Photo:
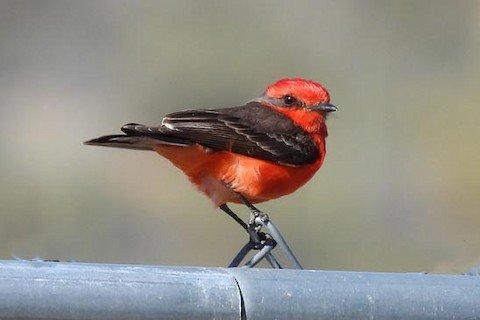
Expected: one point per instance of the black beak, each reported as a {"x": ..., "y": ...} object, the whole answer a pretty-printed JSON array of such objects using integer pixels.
[{"x": 325, "y": 107}]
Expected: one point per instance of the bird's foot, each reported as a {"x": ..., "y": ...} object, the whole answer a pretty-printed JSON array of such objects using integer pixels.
[
  {"x": 260, "y": 239},
  {"x": 258, "y": 218},
  {"x": 264, "y": 242}
]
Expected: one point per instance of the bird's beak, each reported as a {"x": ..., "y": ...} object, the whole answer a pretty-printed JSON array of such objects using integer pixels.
[{"x": 325, "y": 107}]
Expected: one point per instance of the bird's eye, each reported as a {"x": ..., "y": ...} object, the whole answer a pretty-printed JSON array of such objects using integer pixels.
[{"x": 289, "y": 100}]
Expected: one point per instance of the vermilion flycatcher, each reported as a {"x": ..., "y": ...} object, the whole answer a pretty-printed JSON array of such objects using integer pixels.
[{"x": 260, "y": 151}]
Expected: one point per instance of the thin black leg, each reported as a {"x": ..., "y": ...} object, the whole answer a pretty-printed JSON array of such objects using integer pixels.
[
  {"x": 258, "y": 240},
  {"x": 255, "y": 242},
  {"x": 232, "y": 214},
  {"x": 256, "y": 236},
  {"x": 259, "y": 218}
]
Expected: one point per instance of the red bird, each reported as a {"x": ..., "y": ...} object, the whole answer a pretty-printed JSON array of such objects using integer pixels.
[{"x": 260, "y": 151}]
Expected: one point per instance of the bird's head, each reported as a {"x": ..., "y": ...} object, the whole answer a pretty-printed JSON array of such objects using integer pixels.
[{"x": 306, "y": 102}]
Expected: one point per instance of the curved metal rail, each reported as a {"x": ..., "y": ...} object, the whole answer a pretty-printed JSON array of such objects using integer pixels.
[{"x": 56, "y": 290}]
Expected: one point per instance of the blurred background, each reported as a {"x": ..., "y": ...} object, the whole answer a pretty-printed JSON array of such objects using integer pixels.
[{"x": 400, "y": 188}]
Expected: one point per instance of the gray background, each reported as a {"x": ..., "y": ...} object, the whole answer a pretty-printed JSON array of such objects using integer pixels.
[{"x": 399, "y": 190}]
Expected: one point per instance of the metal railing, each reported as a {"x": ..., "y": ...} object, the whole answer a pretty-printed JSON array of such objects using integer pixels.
[{"x": 57, "y": 290}]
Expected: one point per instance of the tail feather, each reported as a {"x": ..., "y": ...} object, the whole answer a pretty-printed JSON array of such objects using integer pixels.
[
  {"x": 138, "y": 137},
  {"x": 123, "y": 141}
]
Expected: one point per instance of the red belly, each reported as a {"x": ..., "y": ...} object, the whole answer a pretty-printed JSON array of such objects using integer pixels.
[{"x": 220, "y": 174}]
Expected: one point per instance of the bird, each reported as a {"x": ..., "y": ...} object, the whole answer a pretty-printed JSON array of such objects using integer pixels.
[{"x": 262, "y": 150}]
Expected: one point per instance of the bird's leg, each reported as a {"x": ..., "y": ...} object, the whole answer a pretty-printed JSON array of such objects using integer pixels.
[
  {"x": 234, "y": 216},
  {"x": 257, "y": 241},
  {"x": 258, "y": 220},
  {"x": 256, "y": 236}
]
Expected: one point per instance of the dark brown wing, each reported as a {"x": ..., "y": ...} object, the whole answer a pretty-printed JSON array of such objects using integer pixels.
[{"x": 251, "y": 130}]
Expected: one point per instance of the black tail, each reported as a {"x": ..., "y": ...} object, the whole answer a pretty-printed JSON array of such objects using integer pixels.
[{"x": 138, "y": 137}]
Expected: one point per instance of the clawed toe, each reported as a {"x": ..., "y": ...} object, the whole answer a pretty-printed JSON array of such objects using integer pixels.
[{"x": 261, "y": 240}]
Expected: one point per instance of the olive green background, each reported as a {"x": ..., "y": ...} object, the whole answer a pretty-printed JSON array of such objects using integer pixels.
[{"x": 400, "y": 188}]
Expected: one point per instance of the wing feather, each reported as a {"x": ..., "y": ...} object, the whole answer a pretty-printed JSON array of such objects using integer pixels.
[
  {"x": 241, "y": 130},
  {"x": 252, "y": 130}
]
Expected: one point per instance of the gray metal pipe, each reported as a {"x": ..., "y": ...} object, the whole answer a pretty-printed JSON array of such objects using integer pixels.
[
  {"x": 304, "y": 294},
  {"x": 50, "y": 290}
]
